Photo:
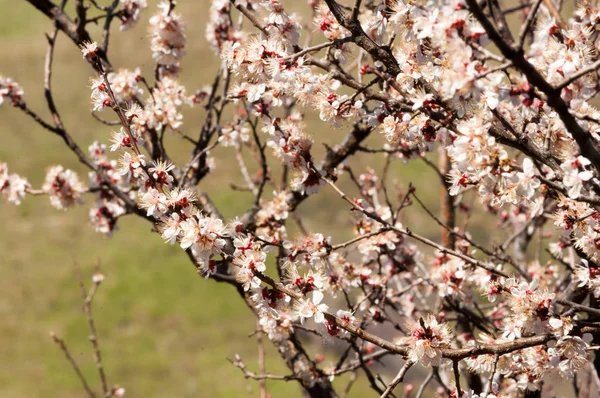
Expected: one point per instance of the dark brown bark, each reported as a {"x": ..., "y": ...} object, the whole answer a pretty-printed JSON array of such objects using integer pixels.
[{"x": 76, "y": 32}]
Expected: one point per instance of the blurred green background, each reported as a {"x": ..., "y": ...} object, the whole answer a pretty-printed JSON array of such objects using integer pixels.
[{"x": 164, "y": 331}]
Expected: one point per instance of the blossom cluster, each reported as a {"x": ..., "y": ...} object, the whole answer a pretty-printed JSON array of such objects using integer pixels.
[
  {"x": 63, "y": 187},
  {"x": 107, "y": 207},
  {"x": 12, "y": 186},
  {"x": 11, "y": 90},
  {"x": 167, "y": 36},
  {"x": 131, "y": 12}
]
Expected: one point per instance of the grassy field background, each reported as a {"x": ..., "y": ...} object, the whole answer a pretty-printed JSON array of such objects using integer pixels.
[{"x": 164, "y": 331}]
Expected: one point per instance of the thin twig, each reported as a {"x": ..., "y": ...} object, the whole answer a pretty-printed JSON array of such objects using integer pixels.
[
  {"x": 359, "y": 238},
  {"x": 579, "y": 307},
  {"x": 61, "y": 344},
  {"x": 424, "y": 384},
  {"x": 528, "y": 23},
  {"x": 582, "y": 72},
  {"x": 398, "y": 379},
  {"x": 457, "y": 378},
  {"x": 261, "y": 359},
  {"x": 491, "y": 379},
  {"x": 87, "y": 308},
  {"x": 237, "y": 362}
]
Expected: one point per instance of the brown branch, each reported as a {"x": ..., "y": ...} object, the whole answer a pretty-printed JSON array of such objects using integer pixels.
[
  {"x": 356, "y": 364},
  {"x": 500, "y": 20},
  {"x": 424, "y": 384},
  {"x": 359, "y": 238},
  {"x": 578, "y": 307},
  {"x": 117, "y": 108},
  {"x": 263, "y": 162},
  {"x": 383, "y": 54},
  {"x": 555, "y": 13},
  {"x": 528, "y": 23},
  {"x": 237, "y": 362},
  {"x": 87, "y": 309},
  {"x": 67, "y": 25},
  {"x": 457, "y": 377},
  {"x": 447, "y": 204},
  {"x": 63, "y": 347},
  {"x": 318, "y": 47},
  {"x": 580, "y": 73},
  {"x": 261, "y": 359},
  {"x": 81, "y": 12},
  {"x": 110, "y": 14},
  {"x": 491, "y": 379},
  {"x": 398, "y": 379},
  {"x": 48, "y": 80},
  {"x": 248, "y": 14}
]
